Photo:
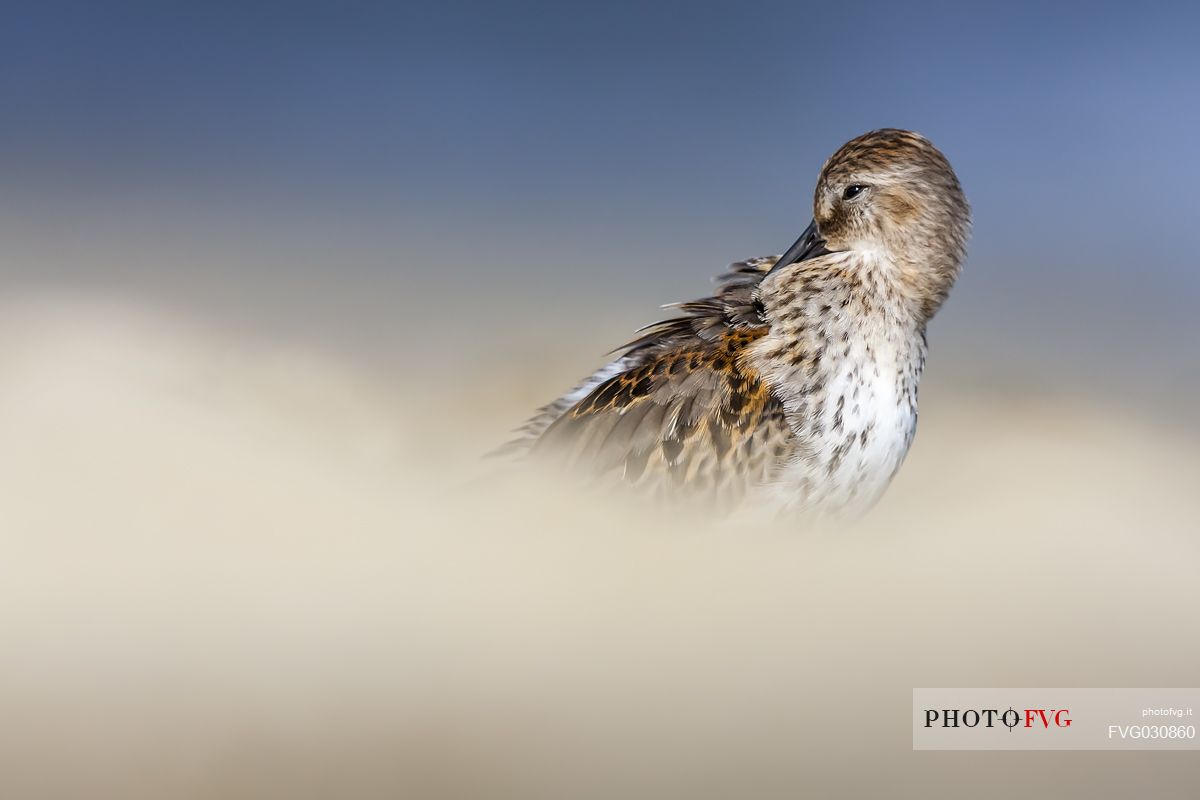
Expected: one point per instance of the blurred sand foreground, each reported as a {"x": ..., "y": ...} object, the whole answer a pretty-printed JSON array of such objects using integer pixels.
[{"x": 234, "y": 569}]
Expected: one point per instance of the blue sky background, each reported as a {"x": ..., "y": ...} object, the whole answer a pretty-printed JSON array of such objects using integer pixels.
[{"x": 309, "y": 164}]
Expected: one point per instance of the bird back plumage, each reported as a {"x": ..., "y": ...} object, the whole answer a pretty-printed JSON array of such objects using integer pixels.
[{"x": 680, "y": 411}]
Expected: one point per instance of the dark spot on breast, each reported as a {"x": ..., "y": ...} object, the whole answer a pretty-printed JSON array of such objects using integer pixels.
[
  {"x": 815, "y": 365},
  {"x": 839, "y": 453}
]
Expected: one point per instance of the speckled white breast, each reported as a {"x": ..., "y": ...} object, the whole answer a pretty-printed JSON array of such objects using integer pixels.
[
  {"x": 853, "y": 443},
  {"x": 845, "y": 359}
]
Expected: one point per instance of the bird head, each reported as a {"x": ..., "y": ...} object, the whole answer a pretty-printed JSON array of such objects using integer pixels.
[{"x": 891, "y": 193}]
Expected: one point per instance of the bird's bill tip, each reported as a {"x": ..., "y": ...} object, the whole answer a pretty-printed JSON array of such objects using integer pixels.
[{"x": 809, "y": 245}]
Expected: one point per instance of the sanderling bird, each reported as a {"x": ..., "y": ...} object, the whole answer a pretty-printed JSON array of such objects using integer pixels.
[{"x": 795, "y": 384}]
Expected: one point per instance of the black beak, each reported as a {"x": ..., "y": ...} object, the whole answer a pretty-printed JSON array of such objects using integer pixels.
[{"x": 809, "y": 245}]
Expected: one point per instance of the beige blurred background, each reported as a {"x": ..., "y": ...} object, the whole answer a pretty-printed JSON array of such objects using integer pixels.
[
  {"x": 274, "y": 280},
  {"x": 237, "y": 567}
]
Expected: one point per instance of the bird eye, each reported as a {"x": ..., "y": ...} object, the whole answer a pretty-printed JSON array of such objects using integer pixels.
[{"x": 853, "y": 190}]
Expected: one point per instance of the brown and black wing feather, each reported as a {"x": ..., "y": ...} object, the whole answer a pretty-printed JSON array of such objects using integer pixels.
[{"x": 681, "y": 411}]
